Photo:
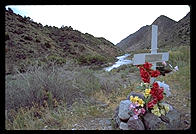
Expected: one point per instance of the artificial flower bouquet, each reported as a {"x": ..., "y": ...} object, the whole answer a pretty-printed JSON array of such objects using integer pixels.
[{"x": 153, "y": 94}]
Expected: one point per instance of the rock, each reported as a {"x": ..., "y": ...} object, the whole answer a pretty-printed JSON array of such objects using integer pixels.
[
  {"x": 123, "y": 126},
  {"x": 174, "y": 119},
  {"x": 135, "y": 124},
  {"x": 170, "y": 122},
  {"x": 109, "y": 128},
  {"x": 116, "y": 118},
  {"x": 140, "y": 95},
  {"x": 153, "y": 122},
  {"x": 108, "y": 122},
  {"x": 124, "y": 110}
]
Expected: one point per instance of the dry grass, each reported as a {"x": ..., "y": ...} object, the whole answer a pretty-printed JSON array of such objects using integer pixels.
[{"x": 91, "y": 94}]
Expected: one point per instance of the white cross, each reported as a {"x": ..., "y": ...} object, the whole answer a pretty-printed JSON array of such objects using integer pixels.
[{"x": 152, "y": 57}]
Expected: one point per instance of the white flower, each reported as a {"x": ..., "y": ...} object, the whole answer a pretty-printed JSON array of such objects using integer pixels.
[{"x": 176, "y": 68}]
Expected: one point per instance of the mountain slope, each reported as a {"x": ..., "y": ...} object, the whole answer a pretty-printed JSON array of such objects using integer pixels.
[
  {"x": 27, "y": 42},
  {"x": 168, "y": 34},
  {"x": 180, "y": 33}
]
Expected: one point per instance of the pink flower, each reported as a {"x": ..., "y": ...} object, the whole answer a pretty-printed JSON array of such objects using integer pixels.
[
  {"x": 132, "y": 106},
  {"x": 143, "y": 110},
  {"x": 137, "y": 111},
  {"x": 164, "y": 63}
]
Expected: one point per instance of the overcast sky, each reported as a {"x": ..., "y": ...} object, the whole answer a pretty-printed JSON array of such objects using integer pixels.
[{"x": 113, "y": 22}]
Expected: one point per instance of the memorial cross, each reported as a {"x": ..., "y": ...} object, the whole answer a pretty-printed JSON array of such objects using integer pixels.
[{"x": 152, "y": 57}]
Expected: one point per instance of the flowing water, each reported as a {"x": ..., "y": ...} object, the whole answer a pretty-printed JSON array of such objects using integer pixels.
[{"x": 121, "y": 61}]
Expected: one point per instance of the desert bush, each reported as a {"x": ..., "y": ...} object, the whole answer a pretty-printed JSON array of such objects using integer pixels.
[
  {"x": 87, "y": 82},
  {"x": 24, "y": 88}
]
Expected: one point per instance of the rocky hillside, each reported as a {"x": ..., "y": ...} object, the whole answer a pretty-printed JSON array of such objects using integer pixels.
[
  {"x": 27, "y": 43},
  {"x": 170, "y": 33}
]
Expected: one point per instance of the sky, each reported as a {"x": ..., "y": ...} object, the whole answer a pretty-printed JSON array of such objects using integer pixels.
[{"x": 113, "y": 22}]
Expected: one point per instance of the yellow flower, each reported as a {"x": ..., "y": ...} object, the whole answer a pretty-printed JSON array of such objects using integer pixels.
[
  {"x": 137, "y": 100},
  {"x": 141, "y": 102},
  {"x": 166, "y": 108},
  {"x": 162, "y": 111},
  {"x": 131, "y": 98},
  {"x": 134, "y": 99},
  {"x": 147, "y": 92},
  {"x": 156, "y": 111}
]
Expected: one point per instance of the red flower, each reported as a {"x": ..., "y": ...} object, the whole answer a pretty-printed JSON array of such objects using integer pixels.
[
  {"x": 154, "y": 73},
  {"x": 147, "y": 65},
  {"x": 152, "y": 103},
  {"x": 145, "y": 75},
  {"x": 155, "y": 85},
  {"x": 160, "y": 94},
  {"x": 157, "y": 92}
]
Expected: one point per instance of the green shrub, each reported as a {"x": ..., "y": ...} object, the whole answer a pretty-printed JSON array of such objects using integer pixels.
[{"x": 91, "y": 59}]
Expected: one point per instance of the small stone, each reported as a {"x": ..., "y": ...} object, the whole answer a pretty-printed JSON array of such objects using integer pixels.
[
  {"x": 135, "y": 124},
  {"x": 123, "y": 126},
  {"x": 108, "y": 122},
  {"x": 124, "y": 110},
  {"x": 109, "y": 127},
  {"x": 186, "y": 122},
  {"x": 115, "y": 118}
]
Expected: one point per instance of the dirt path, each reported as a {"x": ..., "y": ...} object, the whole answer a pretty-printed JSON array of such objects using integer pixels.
[{"x": 94, "y": 124}]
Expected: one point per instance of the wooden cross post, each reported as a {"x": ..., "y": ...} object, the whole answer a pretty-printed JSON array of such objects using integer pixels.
[{"x": 152, "y": 57}]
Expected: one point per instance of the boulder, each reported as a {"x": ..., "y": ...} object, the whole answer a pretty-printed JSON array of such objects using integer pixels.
[
  {"x": 169, "y": 122},
  {"x": 135, "y": 124},
  {"x": 174, "y": 119},
  {"x": 153, "y": 122},
  {"x": 124, "y": 110}
]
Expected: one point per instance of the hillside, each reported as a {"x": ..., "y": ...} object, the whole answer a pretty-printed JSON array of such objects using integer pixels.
[
  {"x": 170, "y": 33},
  {"x": 28, "y": 43}
]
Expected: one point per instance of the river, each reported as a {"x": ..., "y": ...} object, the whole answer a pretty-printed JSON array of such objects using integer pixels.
[{"x": 121, "y": 61}]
